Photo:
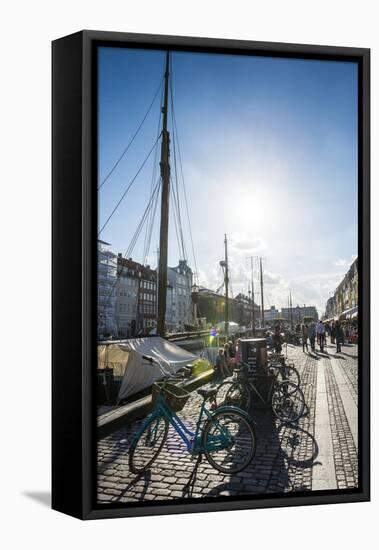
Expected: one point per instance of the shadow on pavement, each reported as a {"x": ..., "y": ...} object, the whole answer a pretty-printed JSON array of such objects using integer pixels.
[
  {"x": 146, "y": 477},
  {"x": 267, "y": 472},
  {"x": 290, "y": 443}
]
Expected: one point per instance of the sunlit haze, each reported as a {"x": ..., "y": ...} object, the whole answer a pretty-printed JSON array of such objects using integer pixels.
[{"x": 269, "y": 153}]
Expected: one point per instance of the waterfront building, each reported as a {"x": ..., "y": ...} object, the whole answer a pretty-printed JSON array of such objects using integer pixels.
[
  {"x": 106, "y": 291},
  {"x": 136, "y": 307},
  {"x": 271, "y": 314},
  {"x": 345, "y": 296},
  {"x": 299, "y": 312},
  {"x": 243, "y": 305},
  {"x": 179, "y": 288}
]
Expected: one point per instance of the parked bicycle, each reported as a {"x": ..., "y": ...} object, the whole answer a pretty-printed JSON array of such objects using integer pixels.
[
  {"x": 286, "y": 371},
  {"x": 284, "y": 397},
  {"x": 225, "y": 436}
]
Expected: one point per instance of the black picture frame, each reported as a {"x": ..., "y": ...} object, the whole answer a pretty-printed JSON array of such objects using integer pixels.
[{"x": 74, "y": 229}]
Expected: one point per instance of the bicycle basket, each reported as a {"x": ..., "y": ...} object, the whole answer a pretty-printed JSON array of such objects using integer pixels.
[{"x": 175, "y": 396}]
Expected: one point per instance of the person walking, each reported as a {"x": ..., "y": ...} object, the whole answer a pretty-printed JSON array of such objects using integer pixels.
[
  {"x": 231, "y": 355},
  {"x": 277, "y": 340},
  {"x": 312, "y": 335},
  {"x": 339, "y": 336},
  {"x": 320, "y": 333},
  {"x": 304, "y": 336},
  {"x": 333, "y": 333}
]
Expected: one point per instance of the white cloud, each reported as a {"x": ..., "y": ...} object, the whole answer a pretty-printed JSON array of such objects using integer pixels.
[{"x": 340, "y": 262}]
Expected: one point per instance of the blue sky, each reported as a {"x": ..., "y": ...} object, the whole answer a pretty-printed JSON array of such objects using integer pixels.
[{"x": 269, "y": 151}]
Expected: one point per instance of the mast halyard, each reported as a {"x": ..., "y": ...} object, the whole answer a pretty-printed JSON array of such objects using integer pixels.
[{"x": 163, "y": 239}]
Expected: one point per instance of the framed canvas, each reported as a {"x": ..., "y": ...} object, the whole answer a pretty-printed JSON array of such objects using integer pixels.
[{"x": 211, "y": 275}]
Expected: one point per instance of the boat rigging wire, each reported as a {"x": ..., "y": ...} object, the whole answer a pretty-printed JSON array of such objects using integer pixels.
[
  {"x": 151, "y": 217},
  {"x": 133, "y": 137},
  {"x": 175, "y": 132},
  {"x": 129, "y": 186},
  {"x": 134, "y": 239},
  {"x": 178, "y": 223}
]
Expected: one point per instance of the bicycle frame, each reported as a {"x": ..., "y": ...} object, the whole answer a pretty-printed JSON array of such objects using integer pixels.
[{"x": 191, "y": 439}]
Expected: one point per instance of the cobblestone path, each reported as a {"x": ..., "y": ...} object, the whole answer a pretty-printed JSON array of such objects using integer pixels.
[{"x": 286, "y": 457}]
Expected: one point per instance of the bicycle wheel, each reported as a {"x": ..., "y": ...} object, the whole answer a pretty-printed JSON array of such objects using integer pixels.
[
  {"x": 290, "y": 373},
  {"x": 233, "y": 393},
  {"x": 147, "y": 447},
  {"x": 288, "y": 402},
  {"x": 229, "y": 441}
]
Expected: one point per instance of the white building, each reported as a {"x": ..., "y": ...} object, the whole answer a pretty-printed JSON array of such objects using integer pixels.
[
  {"x": 136, "y": 307},
  {"x": 179, "y": 301},
  {"x": 271, "y": 314},
  {"x": 106, "y": 290}
]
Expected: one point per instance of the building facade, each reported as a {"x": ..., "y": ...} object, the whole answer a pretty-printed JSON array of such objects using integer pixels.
[
  {"x": 345, "y": 295},
  {"x": 299, "y": 312},
  {"x": 136, "y": 307},
  {"x": 271, "y": 314},
  {"x": 106, "y": 291},
  {"x": 179, "y": 310},
  {"x": 244, "y": 307}
]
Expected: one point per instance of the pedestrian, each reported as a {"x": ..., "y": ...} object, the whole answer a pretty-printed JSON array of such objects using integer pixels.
[
  {"x": 277, "y": 340},
  {"x": 238, "y": 358},
  {"x": 312, "y": 335},
  {"x": 221, "y": 363},
  {"x": 333, "y": 333},
  {"x": 320, "y": 333},
  {"x": 339, "y": 336},
  {"x": 304, "y": 336},
  {"x": 232, "y": 355}
]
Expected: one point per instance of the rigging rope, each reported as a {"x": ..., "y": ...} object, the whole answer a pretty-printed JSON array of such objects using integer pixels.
[
  {"x": 129, "y": 186},
  {"x": 150, "y": 222},
  {"x": 175, "y": 132},
  {"x": 178, "y": 224},
  {"x": 153, "y": 211},
  {"x": 134, "y": 239},
  {"x": 133, "y": 138}
]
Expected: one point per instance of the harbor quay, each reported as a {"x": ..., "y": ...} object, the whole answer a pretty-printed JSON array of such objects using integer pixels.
[{"x": 317, "y": 452}]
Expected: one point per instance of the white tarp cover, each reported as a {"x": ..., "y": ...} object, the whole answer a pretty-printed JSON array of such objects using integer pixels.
[
  {"x": 233, "y": 327},
  {"x": 127, "y": 360}
]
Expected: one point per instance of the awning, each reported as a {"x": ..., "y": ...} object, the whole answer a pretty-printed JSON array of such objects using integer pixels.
[{"x": 348, "y": 314}]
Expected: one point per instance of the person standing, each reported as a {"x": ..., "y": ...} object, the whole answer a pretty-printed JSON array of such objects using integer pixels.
[
  {"x": 232, "y": 355},
  {"x": 277, "y": 340},
  {"x": 221, "y": 363},
  {"x": 320, "y": 333},
  {"x": 339, "y": 336},
  {"x": 304, "y": 336},
  {"x": 312, "y": 335}
]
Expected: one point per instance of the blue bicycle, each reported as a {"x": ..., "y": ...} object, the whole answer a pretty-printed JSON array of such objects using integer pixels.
[{"x": 225, "y": 436}]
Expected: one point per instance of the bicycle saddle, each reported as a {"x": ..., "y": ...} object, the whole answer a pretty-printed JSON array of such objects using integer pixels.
[{"x": 206, "y": 394}]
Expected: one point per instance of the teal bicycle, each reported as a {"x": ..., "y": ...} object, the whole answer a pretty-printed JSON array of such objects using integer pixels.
[{"x": 225, "y": 436}]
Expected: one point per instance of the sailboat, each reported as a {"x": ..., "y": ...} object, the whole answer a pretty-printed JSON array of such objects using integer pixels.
[{"x": 138, "y": 362}]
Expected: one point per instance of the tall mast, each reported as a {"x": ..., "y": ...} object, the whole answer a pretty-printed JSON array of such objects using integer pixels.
[
  {"x": 226, "y": 290},
  {"x": 291, "y": 310},
  {"x": 251, "y": 258},
  {"x": 262, "y": 301},
  {"x": 163, "y": 238}
]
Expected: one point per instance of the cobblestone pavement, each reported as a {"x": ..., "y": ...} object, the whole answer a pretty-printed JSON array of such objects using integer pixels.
[{"x": 286, "y": 455}]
